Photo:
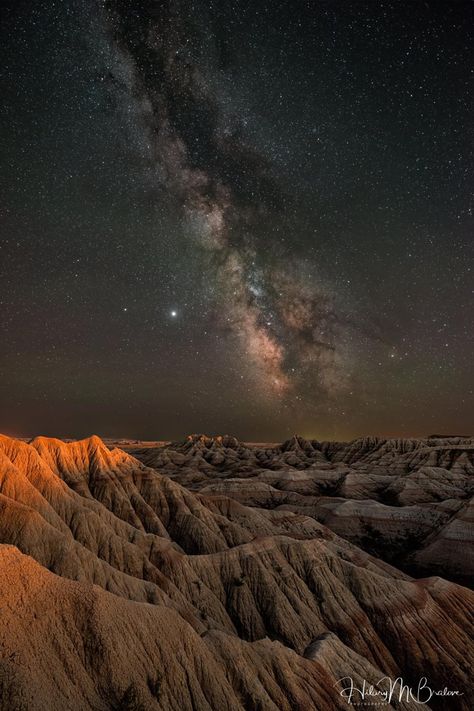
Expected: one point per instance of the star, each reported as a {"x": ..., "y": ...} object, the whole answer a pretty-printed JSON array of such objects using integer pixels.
[{"x": 203, "y": 187}]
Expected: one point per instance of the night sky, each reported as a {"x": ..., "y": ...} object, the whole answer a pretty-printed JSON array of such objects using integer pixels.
[{"x": 251, "y": 217}]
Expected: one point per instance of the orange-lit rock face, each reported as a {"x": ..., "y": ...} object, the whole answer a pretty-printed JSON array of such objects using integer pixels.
[{"x": 193, "y": 588}]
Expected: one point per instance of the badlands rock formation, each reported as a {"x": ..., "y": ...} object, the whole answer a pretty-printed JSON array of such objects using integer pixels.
[
  {"x": 211, "y": 575},
  {"x": 408, "y": 501}
]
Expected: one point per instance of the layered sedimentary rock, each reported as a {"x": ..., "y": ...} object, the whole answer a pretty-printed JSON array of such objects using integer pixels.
[
  {"x": 406, "y": 500},
  {"x": 123, "y": 589}
]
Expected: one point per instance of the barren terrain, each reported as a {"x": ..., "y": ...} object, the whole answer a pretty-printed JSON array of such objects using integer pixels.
[{"x": 212, "y": 574}]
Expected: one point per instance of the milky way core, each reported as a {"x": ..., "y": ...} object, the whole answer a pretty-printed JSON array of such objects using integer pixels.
[{"x": 251, "y": 217}]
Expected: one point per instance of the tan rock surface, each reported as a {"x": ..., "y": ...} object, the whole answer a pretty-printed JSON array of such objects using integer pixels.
[
  {"x": 121, "y": 589},
  {"x": 393, "y": 497}
]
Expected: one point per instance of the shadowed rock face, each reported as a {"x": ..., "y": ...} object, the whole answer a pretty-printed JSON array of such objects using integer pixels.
[
  {"x": 408, "y": 501},
  {"x": 124, "y": 589}
]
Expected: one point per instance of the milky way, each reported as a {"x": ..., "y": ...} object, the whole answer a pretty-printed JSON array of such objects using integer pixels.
[
  {"x": 287, "y": 324},
  {"x": 242, "y": 217}
]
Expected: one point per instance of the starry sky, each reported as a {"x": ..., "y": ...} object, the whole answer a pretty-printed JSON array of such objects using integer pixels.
[{"x": 251, "y": 217}]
